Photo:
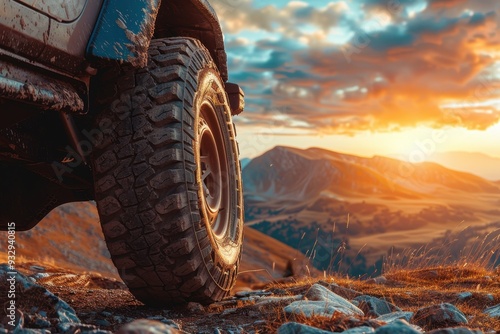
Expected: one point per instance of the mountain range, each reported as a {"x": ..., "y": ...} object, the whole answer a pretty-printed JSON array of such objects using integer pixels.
[
  {"x": 310, "y": 208},
  {"x": 348, "y": 211}
]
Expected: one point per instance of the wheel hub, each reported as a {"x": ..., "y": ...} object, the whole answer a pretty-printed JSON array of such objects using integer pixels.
[{"x": 213, "y": 172}]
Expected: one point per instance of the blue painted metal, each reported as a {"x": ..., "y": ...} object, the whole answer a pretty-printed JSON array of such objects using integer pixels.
[
  {"x": 123, "y": 31},
  {"x": 125, "y": 27}
]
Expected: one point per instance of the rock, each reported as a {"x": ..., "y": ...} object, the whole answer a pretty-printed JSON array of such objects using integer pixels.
[
  {"x": 171, "y": 323},
  {"x": 20, "y": 279},
  {"x": 493, "y": 311},
  {"x": 279, "y": 291},
  {"x": 38, "y": 276},
  {"x": 64, "y": 312},
  {"x": 164, "y": 320},
  {"x": 41, "y": 323},
  {"x": 77, "y": 328},
  {"x": 391, "y": 317},
  {"x": 34, "y": 296},
  {"x": 226, "y": 330},
  {"x": 259, "y": 322},
  {"x": 229, "y": 311},
  {"x": 309, "y": 308},
  {"x": 26, "y": 288},
  {"x": 296, "y": 328},
  {"x": 375, "y": 307},
  {"x": 37, "y": 320},
  {"x": 377, "y": 280},
  {"x": 341, "y": 291},
  {"x": 399, "y": 326},
  {"x": 120, "y": 319},
  {"x": 456, "y": 330},
  {"x": 438, "y": 316},
  {"x": 464, "y": 295},
  {"x": 195, "y": 308},
  {"x": 14, "y": 318},
  {"x": 359, "y": 330},
  {"x": 37, "y": 268},
  {"x": 30, "y": 331},
  {"x": 490, "y": 297},
  {"x": 144, "y": 326},
  {"x": 102, "y": 323},
  {"x": 277, "y": 300},
  {"x": 320, "y": 293},
  {"x": 242, "y": 294}
]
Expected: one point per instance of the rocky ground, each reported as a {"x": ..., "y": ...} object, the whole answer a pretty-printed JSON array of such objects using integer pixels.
[{"x": 434, "y": 300}]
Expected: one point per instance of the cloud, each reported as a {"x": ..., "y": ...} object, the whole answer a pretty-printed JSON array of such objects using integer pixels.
[
  {"x": 423, "y": 63},
  {"x": 288, "y": 20}
]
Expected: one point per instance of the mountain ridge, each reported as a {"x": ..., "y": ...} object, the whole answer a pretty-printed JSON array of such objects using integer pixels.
[
  {"x": 389, "y": 174},
  {"x": 340, "y": 201}
]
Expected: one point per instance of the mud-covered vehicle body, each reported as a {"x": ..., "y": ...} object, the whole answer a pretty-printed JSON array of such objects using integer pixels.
[{"x": 126, "y": 102}]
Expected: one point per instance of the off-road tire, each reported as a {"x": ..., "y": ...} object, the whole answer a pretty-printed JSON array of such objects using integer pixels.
[{"x": 173, "y": 227}]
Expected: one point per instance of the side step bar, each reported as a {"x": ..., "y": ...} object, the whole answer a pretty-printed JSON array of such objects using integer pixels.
[{"x": 25, "y": 85}]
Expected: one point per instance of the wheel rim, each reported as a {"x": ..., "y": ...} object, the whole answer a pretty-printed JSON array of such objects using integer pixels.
[{"x": 213, "y": 171}]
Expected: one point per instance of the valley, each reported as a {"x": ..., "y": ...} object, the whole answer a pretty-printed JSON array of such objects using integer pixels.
[{"x": 347, "y": 213}]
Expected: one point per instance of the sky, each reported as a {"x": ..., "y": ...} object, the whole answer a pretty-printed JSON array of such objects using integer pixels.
[{"x": 366, "y": 77}]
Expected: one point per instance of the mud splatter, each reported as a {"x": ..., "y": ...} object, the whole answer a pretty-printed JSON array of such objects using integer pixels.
[
  {"x": 19, "y": 85},
  {"x": 140, "y": 41}
]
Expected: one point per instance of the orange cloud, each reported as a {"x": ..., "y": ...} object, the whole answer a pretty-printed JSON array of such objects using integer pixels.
[{"x": 440, "y": 67}]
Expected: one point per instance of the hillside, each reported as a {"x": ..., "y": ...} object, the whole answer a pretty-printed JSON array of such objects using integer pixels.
[
  {"x": 71, "y": 238},
  {"x": 349, "y": 211},
  {"x": 265, "y": 259}
]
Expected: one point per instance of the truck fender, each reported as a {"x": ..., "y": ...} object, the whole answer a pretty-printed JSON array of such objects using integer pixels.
[
  {"x": 125, "y": 28},
  {"x": 123, "y": 31}
]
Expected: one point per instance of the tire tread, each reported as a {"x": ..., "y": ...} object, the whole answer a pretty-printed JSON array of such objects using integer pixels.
[{"x": 145, "y": 173}]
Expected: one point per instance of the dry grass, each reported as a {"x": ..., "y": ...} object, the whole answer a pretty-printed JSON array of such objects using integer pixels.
[
  {"x": 337, "y": 323},
  {"x": 478, "y": 252},
  {"x": 418, "y": 278}
]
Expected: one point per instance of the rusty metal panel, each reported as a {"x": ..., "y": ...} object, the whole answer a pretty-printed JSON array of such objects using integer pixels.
[
  {"x": 67, "y": 41},
  {"x": 60, "y": 10},
  {"x": 22, "y": 30},
  {"x": 28, "y": 86}
]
